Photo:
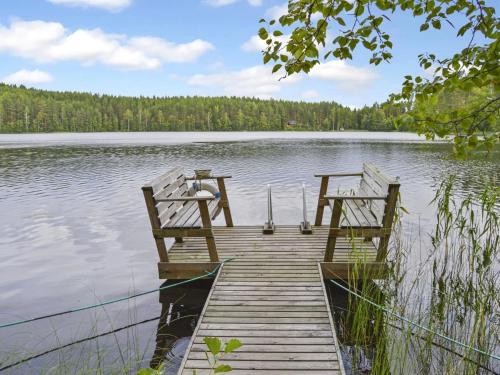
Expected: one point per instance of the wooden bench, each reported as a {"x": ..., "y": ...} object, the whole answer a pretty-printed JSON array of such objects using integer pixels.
[
  {"x": 175, "y": 210},
  {"x": 369, "y": 213}
]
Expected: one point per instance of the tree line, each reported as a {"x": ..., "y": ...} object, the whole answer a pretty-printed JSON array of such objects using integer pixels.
[{"x": 28, "y": 110}]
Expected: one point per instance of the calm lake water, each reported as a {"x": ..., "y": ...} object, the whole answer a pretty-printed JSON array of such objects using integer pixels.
[{"x": 74, "y": 228}]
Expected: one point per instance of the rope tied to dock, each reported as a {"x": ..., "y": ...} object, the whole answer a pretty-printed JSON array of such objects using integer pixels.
[
  {"x": 403, "y": 318},
  {"x": 109, "y": 302}
]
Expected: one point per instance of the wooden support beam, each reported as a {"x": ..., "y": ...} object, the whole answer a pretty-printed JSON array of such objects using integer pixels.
[
  {"x": 387, "y": 221},
  {"x": 181, "y": 232},
  {"x": 334, "y": 223},
  {"x": 353, "y": 271},
  {"x": 224, "y": 201},
  {"x": 155, "y": 222},
  {"x": 359, "y": 232},
  {"x": 207, "y": 226},
  {"x": 321, "y": 201},
  {"x": 185, "y": 270}
]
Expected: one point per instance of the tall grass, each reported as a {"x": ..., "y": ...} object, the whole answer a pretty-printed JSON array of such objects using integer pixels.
[{"x": 452, "y": 291}]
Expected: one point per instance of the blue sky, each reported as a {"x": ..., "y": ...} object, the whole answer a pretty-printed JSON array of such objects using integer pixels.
[{"x": 191, "y": 47}]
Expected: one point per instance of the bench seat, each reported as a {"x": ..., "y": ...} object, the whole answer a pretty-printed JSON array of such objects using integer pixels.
[
  {"x": 176, "y": 211},
  {"x": 358, "y": 214},
  {"x": 368, "y": 214},
  {"x": 188, "y": 215}
]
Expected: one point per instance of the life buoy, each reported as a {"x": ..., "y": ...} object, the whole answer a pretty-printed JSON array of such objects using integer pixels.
[{"x": 198, "y": 187}]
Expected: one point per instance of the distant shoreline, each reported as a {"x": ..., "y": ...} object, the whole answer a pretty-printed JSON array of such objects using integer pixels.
[{"x": 161, "y": 138}]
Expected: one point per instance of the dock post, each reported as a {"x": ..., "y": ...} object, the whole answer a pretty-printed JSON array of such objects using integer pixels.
[
  {"x": 269, "y": 224},
  {"x": 305, "y": 226}
]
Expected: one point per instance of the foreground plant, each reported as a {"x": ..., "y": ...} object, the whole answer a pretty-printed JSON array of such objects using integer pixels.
[{"x": 216, "y": 350}]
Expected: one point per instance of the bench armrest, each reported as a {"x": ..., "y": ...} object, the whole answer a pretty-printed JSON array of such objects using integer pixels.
[
  {"x": 355, "y": 197},
  {"x": 186, "y": 199},
  {"x": 208, "y": 178},
  {"x": 340, "y": 174}
]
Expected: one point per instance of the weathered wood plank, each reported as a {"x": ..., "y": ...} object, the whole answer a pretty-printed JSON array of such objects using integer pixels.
[
  {"x": 266, "y": 320},
  {"x": 267, "y": 365},
  {"x": 168, "y": 270},
  {"x": 276, "y": 356},
  {"x": 252, "y": 333},
  {"x": 325, "y": 342},
  {"x": 276, "y": 348},
  {"x": 265, "y": 372}
]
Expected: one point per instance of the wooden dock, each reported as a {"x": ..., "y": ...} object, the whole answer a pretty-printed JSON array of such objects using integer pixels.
[
  {"x": 270, "y": 296},
  {"x": 269, "y": 290}
]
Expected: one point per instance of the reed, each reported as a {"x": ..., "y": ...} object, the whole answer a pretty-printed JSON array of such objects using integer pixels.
[{"x": 452, "y": 291}]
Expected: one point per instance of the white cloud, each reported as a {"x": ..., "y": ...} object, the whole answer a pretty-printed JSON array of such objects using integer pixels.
[
  {"x": 256, "y": 44},
  {"x": 51, "y": 42},
  {"x": 277, "y": 11},
  {"x": 255, "y": 81},
  {"x": 219, "y": 3},
  {"x": 171, "y": 52},
  {"x": 112, "y": 5},
  {"x": 223, "y": 3},
  {"x": 349, "y": 77},
  {"x": 310, "y": 94},
  {"x": 27, "y": 77}
]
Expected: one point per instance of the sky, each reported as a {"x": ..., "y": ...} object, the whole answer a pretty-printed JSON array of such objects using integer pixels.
[{"x": 188, "y": 47}]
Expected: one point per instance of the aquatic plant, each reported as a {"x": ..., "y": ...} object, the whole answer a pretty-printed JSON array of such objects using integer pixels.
[{"x": 449, "y": 300}]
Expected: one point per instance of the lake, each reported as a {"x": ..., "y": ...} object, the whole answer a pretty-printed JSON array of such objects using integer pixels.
[{"x": 74, "y": 228}]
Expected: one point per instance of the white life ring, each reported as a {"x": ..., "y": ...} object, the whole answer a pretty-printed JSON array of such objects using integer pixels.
[{"x": 198, "y": 188}]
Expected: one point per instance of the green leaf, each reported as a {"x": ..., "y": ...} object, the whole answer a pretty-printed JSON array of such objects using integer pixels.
[
  {"x": 223, "y": 368},
  {"x": 146, "y": 371},
  {"x": 424, "y": 26},
  {"x": 232, "y": 345},
  {"x": 277, "y": 33},
  {"x": 277, "y": 67},
  {"x": 436, "y": 24},
  {"x": 263, "y": 33},
  {"x": 359, "y": 9},
  {"x": 214, "y": 344}
]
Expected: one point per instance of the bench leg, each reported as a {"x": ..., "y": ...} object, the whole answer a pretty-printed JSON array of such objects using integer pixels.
[
  {"x": 225, "y": 202},
  {"x": 207, "y": 224},
  {"x": 382, "y": 249},
  {"x": 212, "y": 249},
  {"x": 162, "y": 249},
  {"x": 334, "y": 223},
  {"x": 321, "y": 204}
]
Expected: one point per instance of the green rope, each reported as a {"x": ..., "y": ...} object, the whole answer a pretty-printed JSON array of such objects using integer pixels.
[
  {"x": 416, "y": 324},
  {"x": 82, "y": 308}
]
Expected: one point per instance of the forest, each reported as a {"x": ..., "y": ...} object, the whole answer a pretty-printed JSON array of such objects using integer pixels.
[{"x": 28, "y": 110}]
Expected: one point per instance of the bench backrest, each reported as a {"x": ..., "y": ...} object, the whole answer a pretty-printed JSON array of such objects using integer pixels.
[
  {"x": 375, "y": 182},
  {"x": 171, "y": 184}
]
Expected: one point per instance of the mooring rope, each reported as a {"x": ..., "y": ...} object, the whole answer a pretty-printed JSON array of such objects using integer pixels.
[
  {"x": 401, "y": 317},
  {"x": 109, "y": 302}
]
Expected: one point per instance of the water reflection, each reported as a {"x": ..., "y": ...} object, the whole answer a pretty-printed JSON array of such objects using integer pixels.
[
  {"x": 360, "y": 327},
  {"x": 180, "y": 309}
]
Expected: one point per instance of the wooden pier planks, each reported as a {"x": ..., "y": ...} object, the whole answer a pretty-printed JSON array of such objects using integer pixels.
[
  {"x": 278, "y": 310},
  {"x": 286, "y": 245}
]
